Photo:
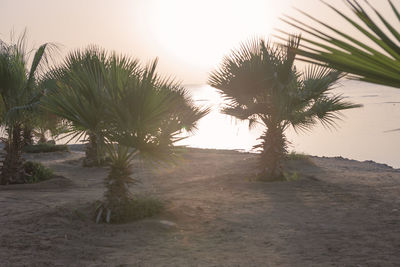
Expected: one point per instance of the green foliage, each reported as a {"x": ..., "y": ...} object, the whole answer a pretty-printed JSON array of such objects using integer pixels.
[
  {"x": 290, "y": 177},
  {"x": 76, "y": 92},
  {"x": 111, "y": 98},
  {"x": 297, "y": 156},
  {"x": 325, "y": 44},
  {"x": 18, "y": 81},
  {"x": 149, "y": 112},
  {"x": 45, "y": 124},
  {"x": 45, "y": 147},
  {"x": 260, "y": 84},
  {"x": 36, "y": 172},
  {"x": 133, "y": 209},
  {"x": 19, "y": 96},
  {"x": 119, "y": 204},
  {"x": 125, "y": 110}
]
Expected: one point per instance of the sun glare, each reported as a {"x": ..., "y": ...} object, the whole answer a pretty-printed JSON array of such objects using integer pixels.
[{"x": 201, "y": 32}]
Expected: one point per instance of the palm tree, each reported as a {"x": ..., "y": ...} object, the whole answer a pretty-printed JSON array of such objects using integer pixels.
[
  {"x": 376, "y": 63},
  {"x": 147, "y": 115},
  {"x": 261, "y": 84},
  {"x": 141, "y": 114},
  {"x": 18, "y": 90},
  {"x": 46, "y": 125},
  {"x": 76, "y": 92}
]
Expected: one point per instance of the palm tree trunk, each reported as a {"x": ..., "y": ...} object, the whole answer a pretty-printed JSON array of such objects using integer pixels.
[
  {"x": 117, "y": 186},
  {"x": 117, "y": 195},
  {"x": 92, "y": 157},
  {"x": 12, "y": 171},
  {"x": 274, "y": 150},
  {"x": 42, "y": 138},
  {"x": 27, "y": 134}
]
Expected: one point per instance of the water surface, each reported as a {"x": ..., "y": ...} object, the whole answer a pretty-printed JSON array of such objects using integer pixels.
[{"x": 363, "y": 134}]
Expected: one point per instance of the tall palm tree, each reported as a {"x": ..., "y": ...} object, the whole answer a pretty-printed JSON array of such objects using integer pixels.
[
  {"x": 261, "y": 85},
  {"x": 377, "y": 62},
  {"x": 18, "y": 89}
]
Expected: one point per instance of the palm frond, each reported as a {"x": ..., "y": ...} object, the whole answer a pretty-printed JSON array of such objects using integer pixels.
[
  {"x": 114, "y": 98},
  {"x": 19, "y": 84},
  {"x": 376, "y": 63},
  {"x": 150, "y": 112}
]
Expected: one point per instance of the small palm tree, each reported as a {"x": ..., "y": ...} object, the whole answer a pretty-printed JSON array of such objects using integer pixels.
[
  {"x": 18, "y": 89},
  {"x": 377, "y": 62},
  {"x": 136, "y": 113},
  {"x": 46, "y": 125},
  {"x": 261, "y": 84},
  {"x": 146, "y": 116},
  {"x": 76, "y": 92}
]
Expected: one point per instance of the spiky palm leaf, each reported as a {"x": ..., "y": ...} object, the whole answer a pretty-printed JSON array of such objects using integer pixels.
[
  {"x": 377, "y": 62},
  {"x": 148, "y": 112}
]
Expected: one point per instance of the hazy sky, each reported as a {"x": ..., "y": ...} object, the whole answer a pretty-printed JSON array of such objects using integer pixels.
[{"x": 189, "y": 36}]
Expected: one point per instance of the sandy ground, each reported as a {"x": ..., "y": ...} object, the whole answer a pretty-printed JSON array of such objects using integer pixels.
[{"x": 339, "y": 213}]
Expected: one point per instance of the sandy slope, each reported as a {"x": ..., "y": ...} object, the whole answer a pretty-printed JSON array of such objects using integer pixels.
[{"x": 340, "y": 213}]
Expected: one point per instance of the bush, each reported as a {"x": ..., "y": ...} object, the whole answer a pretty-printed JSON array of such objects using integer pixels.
[
  {"x": 36, "y": 172},
  {"x": 44, "y": 148},
  {"x": 297, "y": 156},
  {"x": 290, "y": 177},
  {"x": 135, "y": 209}
]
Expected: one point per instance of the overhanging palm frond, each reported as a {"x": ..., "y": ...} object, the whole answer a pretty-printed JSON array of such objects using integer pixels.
[{"x": 378, "y": 62}]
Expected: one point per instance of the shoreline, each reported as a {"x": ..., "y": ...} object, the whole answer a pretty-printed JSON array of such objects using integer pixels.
[{"x": 80, "y": 147}]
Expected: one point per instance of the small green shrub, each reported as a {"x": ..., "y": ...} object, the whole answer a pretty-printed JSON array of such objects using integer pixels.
[
  {"x": 134, "y": 209},
  {"x": 296, "y": 156},
  {"x": 294, "y": 176},
  {"x": 45, "y": 148},
  {"x": 36, "y": 172}
]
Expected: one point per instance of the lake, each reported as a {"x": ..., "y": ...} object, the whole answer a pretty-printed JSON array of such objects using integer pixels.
[{"x": 363, "y": 134}]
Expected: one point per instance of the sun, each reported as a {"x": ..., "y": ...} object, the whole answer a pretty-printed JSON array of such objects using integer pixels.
[{"x": 199, "y": 33}]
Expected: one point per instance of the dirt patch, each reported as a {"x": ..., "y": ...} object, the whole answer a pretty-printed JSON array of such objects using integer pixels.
[
  {"x": 340, "y": 213},
  {"x": 57, "y": 182}
]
